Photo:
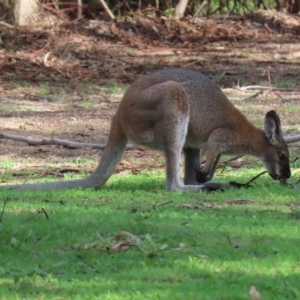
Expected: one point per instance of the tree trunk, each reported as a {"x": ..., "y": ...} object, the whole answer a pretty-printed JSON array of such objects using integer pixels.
[
  {"x": 26, "y": 12},
  {"x": 293, "y": 6},
  {"x": 180, "y": 8}
]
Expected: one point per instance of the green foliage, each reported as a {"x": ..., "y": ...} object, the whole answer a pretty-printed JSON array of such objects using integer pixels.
[
  {"x": 80, "y": 160},
  {"x": 292, "y": 108},
  {"x": 169, "y": 11},
  {"x": 59, "y": 245},
  {"x": 210, "y": 8}
]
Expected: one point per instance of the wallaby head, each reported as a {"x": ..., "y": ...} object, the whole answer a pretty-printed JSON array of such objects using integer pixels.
[
  {"x": 276, "y": 156},
  {"x": 244, "y": 137}
]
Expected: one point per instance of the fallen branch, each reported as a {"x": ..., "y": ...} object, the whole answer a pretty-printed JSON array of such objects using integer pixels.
[
  {"x": 41, "y": 211},
  {"x": 253, "y": 96},
  {"x": 3, "y": 208},
  {"x": 79, "y": 9},
  {"x": 111, "y": 15},
  {"x": 262, "y": 87},
  {"x": 6, "y": 24},
  {"x": 200, "y": 8},
  {"x": 232, "y": 159},
  {"x": 247, "y": 184},
  {"x": 73, "y": 145},
  {"x": 292, "y": 138},
  {"x": 55, "y": 141}
]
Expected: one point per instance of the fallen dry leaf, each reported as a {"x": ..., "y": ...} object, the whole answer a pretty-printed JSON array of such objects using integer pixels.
[
  {"x": 121, "y": 246},
  {"x": 131, "y": 241},
  {"x": 125, "y": 234},
  {"x": 190, "y": 206},
  {"x": 114, "y": 30}
]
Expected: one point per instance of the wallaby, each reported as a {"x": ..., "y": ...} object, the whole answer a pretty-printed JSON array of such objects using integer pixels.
[{"x": 178, "y": 109}]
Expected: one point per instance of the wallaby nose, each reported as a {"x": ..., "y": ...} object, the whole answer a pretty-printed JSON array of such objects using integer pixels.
[
  {"x": 288, "y": 174},
  {"x": 285, "y": 175}
]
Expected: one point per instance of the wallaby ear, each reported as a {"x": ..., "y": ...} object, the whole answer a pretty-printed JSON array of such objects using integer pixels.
[{"x": 273, "y": 127}]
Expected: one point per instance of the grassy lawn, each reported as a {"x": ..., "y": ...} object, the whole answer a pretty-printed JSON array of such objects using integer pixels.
[{"x": 70, "y": 245}]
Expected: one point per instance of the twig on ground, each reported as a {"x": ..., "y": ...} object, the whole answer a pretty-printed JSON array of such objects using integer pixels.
[
  {"x": 3, "y": 17},
  {"x": 253, "y": 178},
  {"x": 200, "y": 8},
  {"x": 72, "y": 144},
  {"x": 292, "y": 138},
  {"x": 41, "y": 211},
  {"x": 295, "y": 159},
  {"x": 162, "y": 204},
  {"x": 231, "y": 159},
  {"x": 269, "y": 78},
  {"x": 6, "y": 24},
  {"x": 263, "y": 87},
  {"x": 79, "y": 9},
  {"x": 55, "y": 141},
  {"x": 229, "y": 241},
  {"x": 3, "y": 208},
  {"x": 111, "y": 15},
  {"x": 247, "y": 184},
  {"x": 253, "y": 96}
]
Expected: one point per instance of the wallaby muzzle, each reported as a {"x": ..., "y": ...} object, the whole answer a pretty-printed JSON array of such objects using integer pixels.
[{"x": 282, "y": 176}]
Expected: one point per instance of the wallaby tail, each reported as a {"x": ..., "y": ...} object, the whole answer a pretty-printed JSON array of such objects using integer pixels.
[{"x": 111, "y": 156}]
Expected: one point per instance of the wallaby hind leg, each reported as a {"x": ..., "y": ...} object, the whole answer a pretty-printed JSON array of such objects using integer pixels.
[
  {"x": 170, "y": 133},
  {"x": 192, "y": 159},
  {"x": 173, "y": 179},
  {"x": 171, "y": 129}
]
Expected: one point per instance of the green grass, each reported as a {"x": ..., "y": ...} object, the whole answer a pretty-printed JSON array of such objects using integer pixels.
[
  {"x": 292, "y": 108},
  {"x": 196, "y": 246},
  {"x": 285, "y": 83},
  {"x": 44, "y": 89},
  {"x": 7, "y": 163},
  {"x": 116, "y": 89}
]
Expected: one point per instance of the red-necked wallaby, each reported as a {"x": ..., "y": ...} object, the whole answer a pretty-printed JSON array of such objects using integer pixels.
[{"x": 178, "y": 109}]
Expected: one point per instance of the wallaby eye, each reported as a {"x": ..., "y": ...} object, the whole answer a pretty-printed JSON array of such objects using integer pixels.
[{"x": 282, "y": 156}]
